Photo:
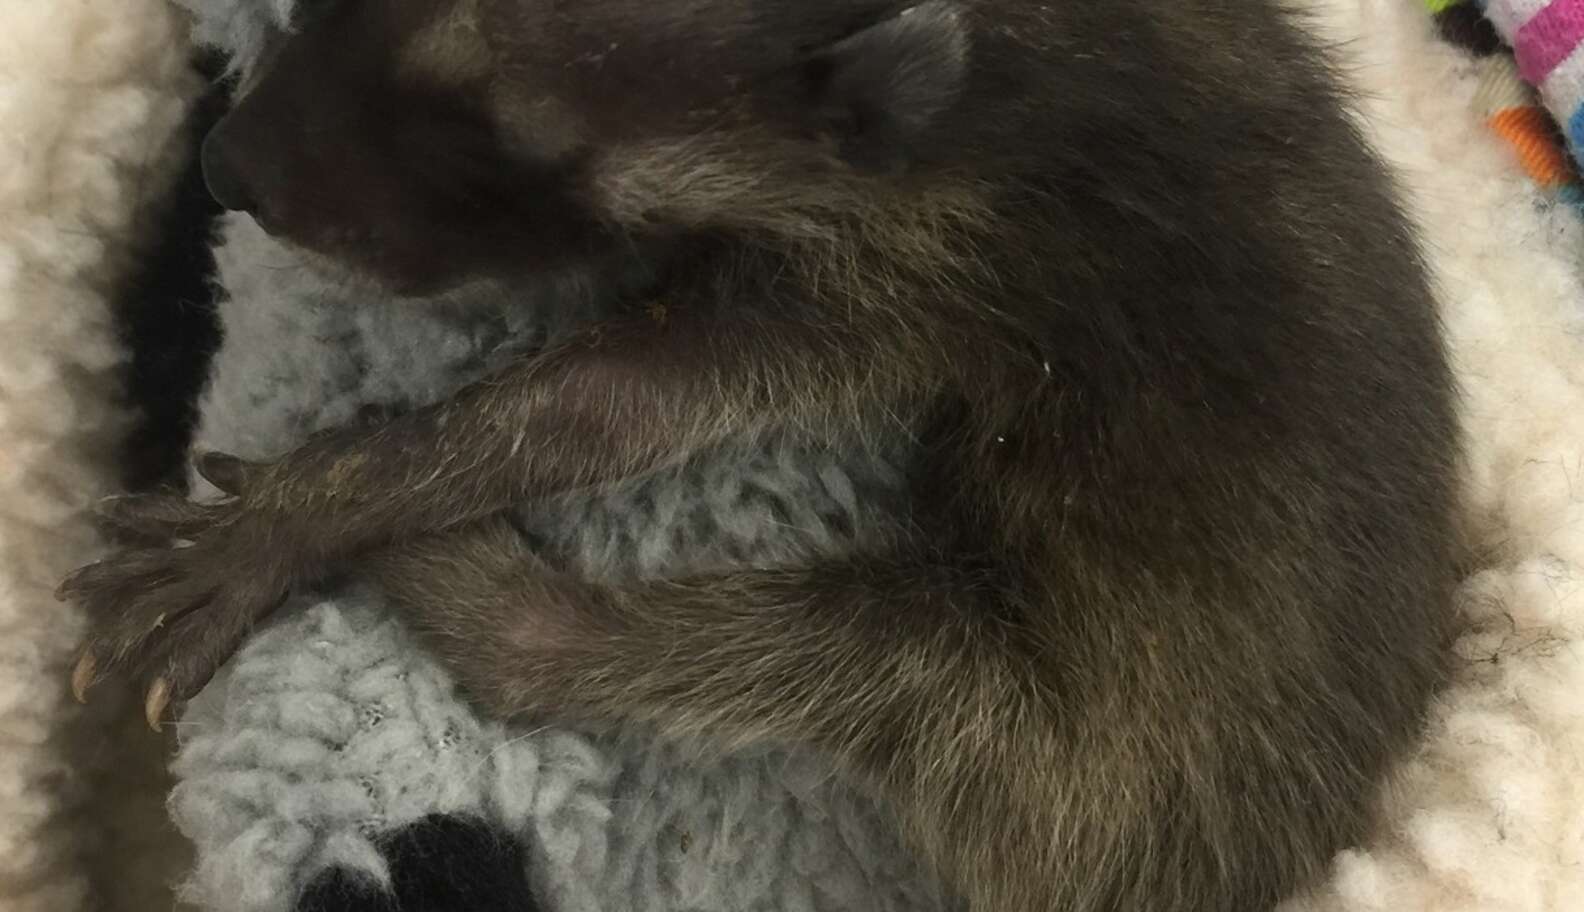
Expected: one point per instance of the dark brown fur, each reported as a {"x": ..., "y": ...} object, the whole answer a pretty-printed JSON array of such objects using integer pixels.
[{"x": 1177, "y": 586}]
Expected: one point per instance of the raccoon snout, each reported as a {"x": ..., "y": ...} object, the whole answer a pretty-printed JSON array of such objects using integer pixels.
[{"x": 225, "y": 182}]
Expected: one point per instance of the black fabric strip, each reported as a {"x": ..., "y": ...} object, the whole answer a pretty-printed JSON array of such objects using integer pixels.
[{"x": 439, "y": 864}]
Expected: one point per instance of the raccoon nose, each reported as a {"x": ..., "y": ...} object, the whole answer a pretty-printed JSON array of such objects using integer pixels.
[{"x": 226, "y": 183}]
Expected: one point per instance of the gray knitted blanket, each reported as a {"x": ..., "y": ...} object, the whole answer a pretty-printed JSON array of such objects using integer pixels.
[{"x": 331, "y": 733}]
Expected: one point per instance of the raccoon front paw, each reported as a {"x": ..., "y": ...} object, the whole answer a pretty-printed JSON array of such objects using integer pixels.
[{"x": 178, "y": 601}]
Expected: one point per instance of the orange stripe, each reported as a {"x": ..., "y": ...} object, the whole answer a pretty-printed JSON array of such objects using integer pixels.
[{"x": 1529, "y": 131}]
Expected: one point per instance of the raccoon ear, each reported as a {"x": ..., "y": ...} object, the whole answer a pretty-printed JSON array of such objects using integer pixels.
[{"x": 879, "y": 90}]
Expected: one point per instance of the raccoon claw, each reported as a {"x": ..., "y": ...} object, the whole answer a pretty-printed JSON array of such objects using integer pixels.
[
  {"x": 227, "y": 473},
  {"x": 84, "y": 676},
  {"x": 155, "y": 702}
]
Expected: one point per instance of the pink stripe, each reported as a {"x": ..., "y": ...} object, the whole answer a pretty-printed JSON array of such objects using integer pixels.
[{"x": 1548, "y": 38}]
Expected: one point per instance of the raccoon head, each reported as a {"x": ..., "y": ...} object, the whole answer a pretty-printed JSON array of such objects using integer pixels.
[{"x": 424, "y": 143}]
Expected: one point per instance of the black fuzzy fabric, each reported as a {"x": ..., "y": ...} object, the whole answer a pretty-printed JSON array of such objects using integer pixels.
[
  {"x": 166, "y": 314},
  {"x": 1466, "y": 27},
  {"x": 439, "y": 864}
]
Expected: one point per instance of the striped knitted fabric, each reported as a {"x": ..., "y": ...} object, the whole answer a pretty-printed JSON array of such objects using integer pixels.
[
  {"x": 1547, "y": 39},
  {"x": 1521, "y": 45}
]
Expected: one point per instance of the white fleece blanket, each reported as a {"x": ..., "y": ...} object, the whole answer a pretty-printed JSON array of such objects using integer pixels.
[
  {"x": 1489, "y": 816},
  {"x": 90, "y": 92}
]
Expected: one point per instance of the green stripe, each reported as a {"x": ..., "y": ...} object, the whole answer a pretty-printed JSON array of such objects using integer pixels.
[{"x": 1441, "y": 6}]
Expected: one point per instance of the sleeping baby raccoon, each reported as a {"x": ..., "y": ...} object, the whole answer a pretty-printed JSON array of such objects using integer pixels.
[{"x": 1173, "y": 590}]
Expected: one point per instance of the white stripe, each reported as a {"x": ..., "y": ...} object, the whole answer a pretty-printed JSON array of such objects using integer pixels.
[
  {"x": 1499, "y": 86},
  {"x": 1510, "y": 15},
  {"x": 1563, "y": 90}
]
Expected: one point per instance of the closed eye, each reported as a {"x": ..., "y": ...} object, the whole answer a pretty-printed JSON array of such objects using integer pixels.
[{"x": 307, "y": 12}]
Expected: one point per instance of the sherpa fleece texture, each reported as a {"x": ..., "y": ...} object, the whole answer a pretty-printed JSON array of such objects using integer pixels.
[
  {"x": 90, "y": 94},
  {"x": 329, "y": 729}
]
